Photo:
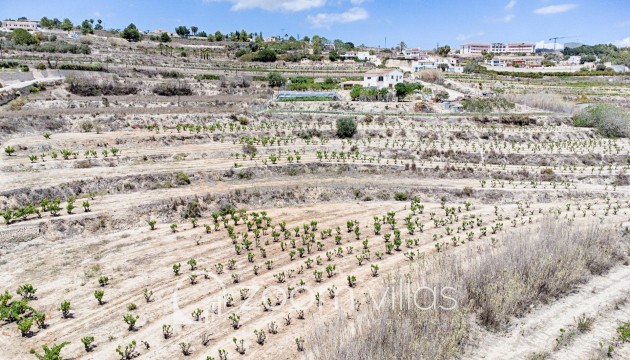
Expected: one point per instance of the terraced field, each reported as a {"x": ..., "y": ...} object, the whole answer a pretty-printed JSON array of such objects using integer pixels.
[{"x": 189, "y": 224}]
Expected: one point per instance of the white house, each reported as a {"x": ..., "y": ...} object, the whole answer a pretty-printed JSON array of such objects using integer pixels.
[
  {"x": 382, "y": 78},
  {"x": 414, "y": 53},
  {"x": 24, "y": 24},
  {"x": 574, "y": 60},
  {"x": 420, "y": 65}
]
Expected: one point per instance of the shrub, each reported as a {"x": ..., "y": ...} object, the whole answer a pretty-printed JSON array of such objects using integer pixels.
[
  {"x": 623, "y": 331},
  {"x": 401, "y": 196},
  {"x": 172, "y": 89},
  {"x": 484, "y": 105},
  {"x": 87, "y": 87},
  {"x": 9, "y": 150},
  {"x": 346, "y": 127},
  {"x": 172, "y": 74},
  {"x": 265, "y": 55},
  {"x": 181, "y": 178},
  {"x": 207, "y": 77},
  {"x": 275, "y": 79},
  {"x": 82, "y": 67},
  {"x": 609, "y": 120},
  {"x": 88, "y": 343},
  {"x": 65, "y": 308},
  {"x": 23, "y": 37},
  {"x": 50, "y": 353}
]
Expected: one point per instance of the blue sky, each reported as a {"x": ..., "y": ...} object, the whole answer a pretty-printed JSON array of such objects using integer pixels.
[{"x": 420, "y": 23}]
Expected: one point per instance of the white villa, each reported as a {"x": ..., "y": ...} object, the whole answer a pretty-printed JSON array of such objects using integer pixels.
[{"x": 382, "y": 78}]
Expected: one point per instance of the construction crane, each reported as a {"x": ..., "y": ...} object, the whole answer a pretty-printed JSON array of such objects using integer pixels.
[{"x": 555, "y": 39}]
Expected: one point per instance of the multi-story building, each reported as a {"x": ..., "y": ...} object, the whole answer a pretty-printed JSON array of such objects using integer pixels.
[
  {"x": 26, "y": 25},
  {"x": 475, "y": 48},
  {"x": 414, "y": 53},
  {"x": 497, "y": 48},
  {"x": 526, "y": 48}
]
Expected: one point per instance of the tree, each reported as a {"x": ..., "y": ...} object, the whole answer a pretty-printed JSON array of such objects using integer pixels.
[
  {"x": 99, "y": 25},
  {"x": 194, "y": 29},
  {"x": 182, "y": 31},
  {"x": 23, "y": 37},
  {"x": 444, "y": 50},
  {"x": 275, "y": 79},
  {"x": 472, "y": 67},
  {"x": 165, "y": 38},
  {"x": 67, "y": 25},
  {"x": 265, "y": 55},
  {"x": 131, "y": 33},
  {"x": 402, "y": 45},
  {"x": 218, "y": 36},
  {"x": 242, "y": 36},
  {"x": 46, "y": 23},
  {"x": 86, "y": 27},
  {"x": 346, "y": 127},
  {"x": 402, "y": 89}
]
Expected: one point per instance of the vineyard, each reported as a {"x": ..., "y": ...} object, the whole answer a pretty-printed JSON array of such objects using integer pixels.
[{"x": 217, "y": 224}]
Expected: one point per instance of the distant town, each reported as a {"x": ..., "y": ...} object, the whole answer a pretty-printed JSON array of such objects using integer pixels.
[{"x": 513, "y": 56}]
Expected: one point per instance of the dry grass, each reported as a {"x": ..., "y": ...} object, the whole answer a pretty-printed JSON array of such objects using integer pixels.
[
  {"x": 493, "y": 286},
  {"x": 432, "y": 75},
  {"x": 549, "y": 102}
]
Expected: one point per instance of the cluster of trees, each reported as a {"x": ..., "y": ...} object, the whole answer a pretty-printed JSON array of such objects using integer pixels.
[
  {"x": 369, "y": 94},
  {"x": 86, "y": 27},
  {"x": 605, "y": 52}
]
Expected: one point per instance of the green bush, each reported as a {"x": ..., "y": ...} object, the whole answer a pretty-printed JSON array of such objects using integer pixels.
[
  {"x": 485, "y": 105},
  {"x": 609, "y": 120},
  {"x": 172, "y": 74},
  {"x": 266, "y": 55},
  {"x": 8, "y": 64},
  {"x": 346, "y": 127},
  {"x": 82, "y": 67},
  {"x": 207, "y": 77},
  {"x": 275, "y": 79},
  {"x": 173, "y": 89},
  {"x": 23, "y": 37}
]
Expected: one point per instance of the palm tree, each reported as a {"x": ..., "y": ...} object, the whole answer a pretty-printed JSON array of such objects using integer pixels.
[{"x": 402, "y": 46}]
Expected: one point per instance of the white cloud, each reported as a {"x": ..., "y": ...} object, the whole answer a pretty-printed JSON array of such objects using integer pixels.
[
  {"x": 357, "y": 2},
  {"x": 510, "y": 5},
  {"x": 555, "y": 9},
  {"x": 508, "y": 18},
  {"x": 622, "y": 43},
  {"x": 464, "y": 37},
  {"x": 274, "y": 5},
  {"x": 329, "y": 19}
]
